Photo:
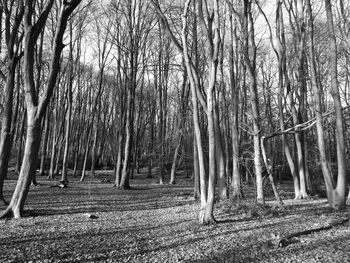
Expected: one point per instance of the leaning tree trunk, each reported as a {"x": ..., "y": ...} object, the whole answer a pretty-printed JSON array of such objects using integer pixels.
[
  {"x": 36, "y": 109},
  {"x": 12, "y": 43},
  {"x": 28, "y": 168},
  {"x": 45, "y": 143},
  {"x": 5, "y": 137},
  {"x": 173, "y": 166}
]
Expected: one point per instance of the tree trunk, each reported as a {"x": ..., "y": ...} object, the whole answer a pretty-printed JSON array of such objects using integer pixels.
[
  {"x": 250, "y": 63},
  {"x": 93, "y": 149},
  {"x": 173, "y": 165},
  {"x": 118, "y": 164},
  {"x": 268, "y": 169},
  {"x": 220, "y": 157},
  {"x": 45, "y": 143},
  {"x": 51, "y": 174},
  {"x": 64, "y": 177},
  {"x": 5, "y": 139},
  {"x": 28, "y": 168},
  {"x": 236, "y": 175},
  {"x": 280, "y": 50},
  {"x": 21, "y": 135},
  {"x": 196, "y": 188},
  {"x": 339, "y": 194},
  {"x": 86, "y": 154},
  {"x": 36, "y": 108},
  {"x": 11, "y": 37},
  {"x": 125, "y": 175}
]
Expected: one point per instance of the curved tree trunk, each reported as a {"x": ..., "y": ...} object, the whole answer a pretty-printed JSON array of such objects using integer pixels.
[
  {"x": 5, "y": 139},
  {"x": 36, "y": 109},
  {"x": 12, "y": 40},
  {"x": 28, "y": 168},
  {"x": 339, "y": 194}
]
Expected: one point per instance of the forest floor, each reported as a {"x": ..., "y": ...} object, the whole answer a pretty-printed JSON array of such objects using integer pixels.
[{"x": 92, "y": 222}]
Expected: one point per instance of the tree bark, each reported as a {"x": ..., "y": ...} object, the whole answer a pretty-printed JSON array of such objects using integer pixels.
[
  {"x": 250, "y": 63},
  {"x": 36, "y": 109},
  {"x": 28, "y": 167},
  {"x": 12, "y": 40},
  {"x": 339, "y": 194},
  {"x": 236, "y": 175}
]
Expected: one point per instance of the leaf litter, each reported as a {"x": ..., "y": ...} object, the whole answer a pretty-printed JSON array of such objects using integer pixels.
[{"x": 93, "y": 222}]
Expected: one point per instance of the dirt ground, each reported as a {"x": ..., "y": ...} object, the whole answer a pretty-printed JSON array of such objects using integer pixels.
[{"x": 92, "y": 222}]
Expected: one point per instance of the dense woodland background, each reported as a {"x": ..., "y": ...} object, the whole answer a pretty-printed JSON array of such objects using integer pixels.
[{"x": 230, "y": 91}]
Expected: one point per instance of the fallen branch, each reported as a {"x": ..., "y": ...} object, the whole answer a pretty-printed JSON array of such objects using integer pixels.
[{"x": 293, "y": 238}]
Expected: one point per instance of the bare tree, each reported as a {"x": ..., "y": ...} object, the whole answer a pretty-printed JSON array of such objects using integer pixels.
[
  {"x": 336, "y": 194},
  {"x": 36, "y": 107},
  {"x": 12, "y": 38}
]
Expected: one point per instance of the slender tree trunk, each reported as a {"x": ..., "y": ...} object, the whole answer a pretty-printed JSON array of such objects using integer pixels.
[
  {"x": 236, "y": 175},
  {"x": 119, "y": 159},
  {"x": 250, "y": 63},
  {"x": 283, "y": 72},
  {"x": 45, "y": 144},
  {"x": 125, "y": 176},
  {"x": 173, "y": 166},
  {"x": 268, "y": 169},
  {"x": 197, "y": 186},
  {"x": 5, "y": 139},
  {"x": 12, "y": 40},
  {"x": 339, "y": 194},
  {"x": 21, "y": 135},
  {"x": 64, "y": 177},
  {"x": 93, "y": 150},
  {"x": 86, "y": 153},
  {"x": 220, "y": 157},
  {"x": 318, "y": 112},
  {"x": 51, "y": 174}
]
